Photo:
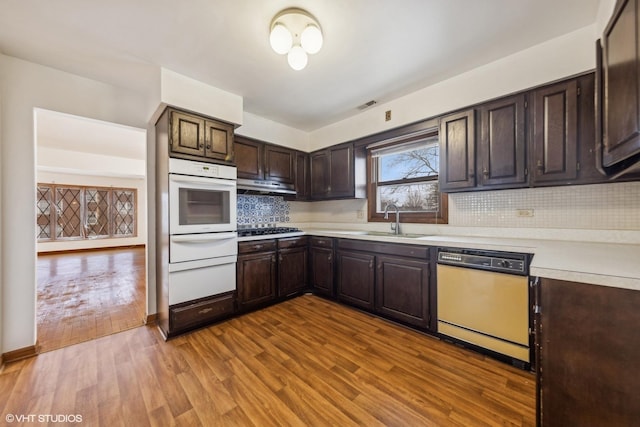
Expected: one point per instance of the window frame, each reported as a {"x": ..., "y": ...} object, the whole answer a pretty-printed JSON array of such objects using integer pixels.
[
  {"x": 438, "y": 217},
  {"x": 83, "y": 233}
]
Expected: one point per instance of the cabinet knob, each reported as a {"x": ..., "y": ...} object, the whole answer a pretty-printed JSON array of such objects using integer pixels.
[
  {"x": 273, "y": 259},
  {"x": 371, "y": 264},
  {"x": 539, "y": 165},
  {"x": 280, "y": 258},
  {"x": 485, "y": 172},
  {"x": 208, "y": 146},
  {"x": 201, "y": 145}
]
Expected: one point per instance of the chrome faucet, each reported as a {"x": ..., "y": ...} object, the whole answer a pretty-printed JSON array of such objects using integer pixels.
[{"x": 394, "y": 227}]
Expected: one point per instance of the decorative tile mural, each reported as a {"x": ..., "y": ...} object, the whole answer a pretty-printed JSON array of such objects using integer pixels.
[{"x": 254, "y": 210}]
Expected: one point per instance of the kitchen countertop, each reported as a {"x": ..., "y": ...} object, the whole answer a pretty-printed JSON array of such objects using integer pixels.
[{"x": 606, "y": 264}]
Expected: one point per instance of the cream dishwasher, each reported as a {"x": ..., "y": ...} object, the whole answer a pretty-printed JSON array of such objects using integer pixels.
[{"x": 483, "y": 299}]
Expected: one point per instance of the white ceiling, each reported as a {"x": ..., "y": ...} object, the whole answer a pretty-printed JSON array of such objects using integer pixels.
[{"x": 374, "y": 49}]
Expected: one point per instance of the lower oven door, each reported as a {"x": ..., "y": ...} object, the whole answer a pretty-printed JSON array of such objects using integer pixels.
[
  {"x": 198, "y": 279},
  {"x": 192, "y": 247},
  {"x": 485, "y": 308}
]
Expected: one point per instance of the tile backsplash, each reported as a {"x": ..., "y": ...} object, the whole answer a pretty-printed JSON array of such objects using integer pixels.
[
  {"x": 254, "y": 210},
  {"x": 597, "y": 207}
]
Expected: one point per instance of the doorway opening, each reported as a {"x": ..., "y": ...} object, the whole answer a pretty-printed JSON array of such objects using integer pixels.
[{"x": 91, "y": 228}]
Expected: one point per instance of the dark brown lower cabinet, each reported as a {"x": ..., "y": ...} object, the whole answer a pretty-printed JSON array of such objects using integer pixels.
[
  {"x": 321, "y": 263},
  {"x": 356, "y": 275},
  {"x": 293, "y": 266},
  {"x": 588, "y": 348},
  {"x": 402, "y": 289},
  {"x": 256, "y": 273}
]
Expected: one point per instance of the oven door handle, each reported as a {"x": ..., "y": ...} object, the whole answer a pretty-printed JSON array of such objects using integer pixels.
[
  {"x": 203, "y": 238},
  {"x": 184, "y": 179}
]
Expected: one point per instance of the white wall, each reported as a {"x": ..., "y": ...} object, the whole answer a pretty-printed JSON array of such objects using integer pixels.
[
  {"x": 561, "y": 57},
  {"x": 604, "y": 14},
  {"x": 25, "y": 86},
  {"x": 269, "y": 131}
]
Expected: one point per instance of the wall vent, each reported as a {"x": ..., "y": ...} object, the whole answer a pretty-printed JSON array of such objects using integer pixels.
[{"x": 367, "y": 105}]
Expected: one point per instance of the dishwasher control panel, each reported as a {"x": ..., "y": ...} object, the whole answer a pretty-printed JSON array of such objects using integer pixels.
[{"x": 507, "y": 262}]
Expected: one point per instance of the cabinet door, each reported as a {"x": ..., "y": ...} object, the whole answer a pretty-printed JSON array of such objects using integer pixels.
[
  {"x": 322, "y": 270},
  {"x": 293, "y": 270},
  {"x": 554, "y": 156},
  {"x": 587, "y": 344},
  {"x": 402, "y": 290},
  {"x": 187, "y": 134},
  {"x": 218, "y": 140},
  {"x": 621, "y": 85},
  {"x": 457, "y": 151},
  {"x": 279, "y": 164},
  {"x": 341, "y": 177},
  {"x": 256, "y": 278},
  {"x": 249, "y": 158},
  {"x": 319, "y": 175},
  {"x": 303, "y": 178},
  {"x": 502, "y": 144},
  {"x": 356, "y": 274}
]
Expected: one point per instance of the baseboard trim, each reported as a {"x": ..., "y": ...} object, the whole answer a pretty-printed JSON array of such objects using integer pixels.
[
  {"x": 106, "y": 248},
  {"x": 151, "y": 319},
  {"x": 21, "y": 353}
]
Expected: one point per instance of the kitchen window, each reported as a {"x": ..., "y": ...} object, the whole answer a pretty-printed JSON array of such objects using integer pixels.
[
  {"x": 405, "y": 172},
  {"x": 66, "y": 212}
]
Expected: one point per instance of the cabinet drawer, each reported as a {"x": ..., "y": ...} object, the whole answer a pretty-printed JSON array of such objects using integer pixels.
[
  {"x": 412, "y": 251},
  {"x": 256, "y": 246},
  {"x": 293, "y": 242},
  {"x": 322, "y": 242},
  {"x": 200, "y": 312}
]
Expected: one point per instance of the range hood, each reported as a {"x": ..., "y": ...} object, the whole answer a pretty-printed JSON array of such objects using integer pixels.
[{"x": 250, "y": 186}]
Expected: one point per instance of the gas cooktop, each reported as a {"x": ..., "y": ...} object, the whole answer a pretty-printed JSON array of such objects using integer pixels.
[{"x": 264, "y": 231}]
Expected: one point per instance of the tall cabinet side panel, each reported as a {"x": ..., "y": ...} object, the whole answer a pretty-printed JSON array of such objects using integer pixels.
[{"x": 162, "y": 221}]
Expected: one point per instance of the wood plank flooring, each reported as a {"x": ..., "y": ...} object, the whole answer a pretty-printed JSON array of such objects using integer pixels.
[
  {"x": 85, "y": 295},
  {"x": 304, "y": 362}
]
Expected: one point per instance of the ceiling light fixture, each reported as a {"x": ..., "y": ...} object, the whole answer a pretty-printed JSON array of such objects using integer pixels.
[{"x": 295, "y": 32}]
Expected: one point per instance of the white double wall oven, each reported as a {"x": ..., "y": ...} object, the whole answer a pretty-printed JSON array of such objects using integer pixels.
[{"x": 203, "y": 246}]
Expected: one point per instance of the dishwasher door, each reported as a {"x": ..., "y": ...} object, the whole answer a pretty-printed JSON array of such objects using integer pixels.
[{"x": 485, "y": 308}]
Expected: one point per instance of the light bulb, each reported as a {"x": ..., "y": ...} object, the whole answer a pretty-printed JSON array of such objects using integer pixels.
[
  {"x": 297, "y": 58},
  {"x": 281, "y": 39},
  {"x": 311, "y": 39}
]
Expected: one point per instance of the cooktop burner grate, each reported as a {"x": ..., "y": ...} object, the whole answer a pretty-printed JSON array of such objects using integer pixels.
[{"x": 243, "y": 232}]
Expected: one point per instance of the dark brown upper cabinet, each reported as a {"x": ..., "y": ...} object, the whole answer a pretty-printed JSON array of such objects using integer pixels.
[
  {"x": 338, "y": 172},
  {"x": 258, "y": 160},
  {"x": 554, "y": 147},
  {"x": 279, "y": 164},
  {"x": 198, "y": 138},
  {"x": 457, "y": 151},
  {"x": 502, "y": 143},
  {"x": 249, "y": 158},
  {"x": 618, "y": 77}
]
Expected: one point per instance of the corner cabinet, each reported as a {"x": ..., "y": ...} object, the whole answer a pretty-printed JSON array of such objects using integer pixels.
[
  {"x": 199, "y": 138},
  {"x": 587, "y": 354},
  {"x": 338, "y": 172},
  {"x": 619, "y": 89}
]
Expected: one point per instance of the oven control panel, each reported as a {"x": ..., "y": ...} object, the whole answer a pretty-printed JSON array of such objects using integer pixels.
[{"x": 507, "y": 262}]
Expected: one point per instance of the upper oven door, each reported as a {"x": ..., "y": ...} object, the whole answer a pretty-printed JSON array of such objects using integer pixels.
[{"x": 201, "y": 205}]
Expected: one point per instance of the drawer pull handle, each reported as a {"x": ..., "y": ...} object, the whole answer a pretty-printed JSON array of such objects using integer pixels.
[{"x": 205, "y": 310}]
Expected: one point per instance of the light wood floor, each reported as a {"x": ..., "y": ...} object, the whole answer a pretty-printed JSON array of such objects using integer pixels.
[
  {"x": 306, "y": 361},
  {"x": 85, "y": 295}
]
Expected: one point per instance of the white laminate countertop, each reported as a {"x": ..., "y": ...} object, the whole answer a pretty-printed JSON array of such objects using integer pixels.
[{"x": 606, "y": 264}]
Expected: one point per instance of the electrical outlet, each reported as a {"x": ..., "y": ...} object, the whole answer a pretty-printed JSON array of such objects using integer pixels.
[
  {"x": 524, "y": 213},
  {"x": 360, "y": 214},
  {"x": 387, "y": 115}
]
